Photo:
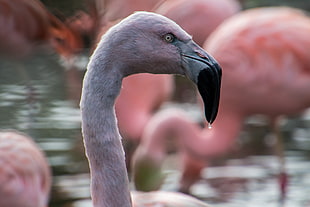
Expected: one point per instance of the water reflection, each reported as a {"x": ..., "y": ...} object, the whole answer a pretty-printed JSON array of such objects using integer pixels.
[{"x": 40, "y": 98}]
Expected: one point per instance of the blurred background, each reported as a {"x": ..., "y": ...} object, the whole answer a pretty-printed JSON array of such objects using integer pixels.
[{"x": 39, "y": 95}]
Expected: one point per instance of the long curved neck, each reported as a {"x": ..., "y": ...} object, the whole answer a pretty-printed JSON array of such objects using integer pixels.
[{"x": 109, "y": 179}]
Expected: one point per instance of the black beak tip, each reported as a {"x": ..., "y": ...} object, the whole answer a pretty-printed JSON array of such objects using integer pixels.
[{"x": 209, "y": 85}]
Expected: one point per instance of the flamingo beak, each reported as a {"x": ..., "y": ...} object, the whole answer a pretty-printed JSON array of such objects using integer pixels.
[{"x": 204, "y": 70}]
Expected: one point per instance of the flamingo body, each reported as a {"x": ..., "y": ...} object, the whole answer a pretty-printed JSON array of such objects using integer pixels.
[
  {"x": 25, "y": 178},
  {"x": 267, "y": 61}
]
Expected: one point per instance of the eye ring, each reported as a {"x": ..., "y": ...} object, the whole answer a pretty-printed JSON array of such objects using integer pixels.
[{"x": 169, "y": 37}]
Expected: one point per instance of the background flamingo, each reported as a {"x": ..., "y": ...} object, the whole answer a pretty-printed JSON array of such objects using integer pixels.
[
  {"x": 30, "y": 25},
  {"x": 25, "y": 178},
  {"x": 264, "y": 53},
  {"x": 164, "y": 48}
]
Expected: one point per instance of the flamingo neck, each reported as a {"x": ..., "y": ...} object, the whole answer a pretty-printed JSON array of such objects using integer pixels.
[{"x": 109, "y": 179}]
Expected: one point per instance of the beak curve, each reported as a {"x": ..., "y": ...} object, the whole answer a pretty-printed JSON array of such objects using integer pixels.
[{"x": 205, "y": 71}]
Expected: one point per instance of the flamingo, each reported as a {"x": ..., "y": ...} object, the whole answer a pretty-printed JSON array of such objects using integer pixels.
[
  {"x": 25, "y": 177},
  {"x": 265, "y": 56},
  {"x": 26, "y": 25},
  {"x": 155, "y": 90},
  {"x": 142, "y": 42},
  {"x": 167, "y": 126},
  {"x": 135, "y": 109}
]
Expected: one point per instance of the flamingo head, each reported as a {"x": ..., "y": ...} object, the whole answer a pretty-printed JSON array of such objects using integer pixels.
[{"x": 146, "y": 42}]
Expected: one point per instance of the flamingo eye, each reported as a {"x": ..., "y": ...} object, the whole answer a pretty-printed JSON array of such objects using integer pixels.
[{"x": 169, "y": 37}]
